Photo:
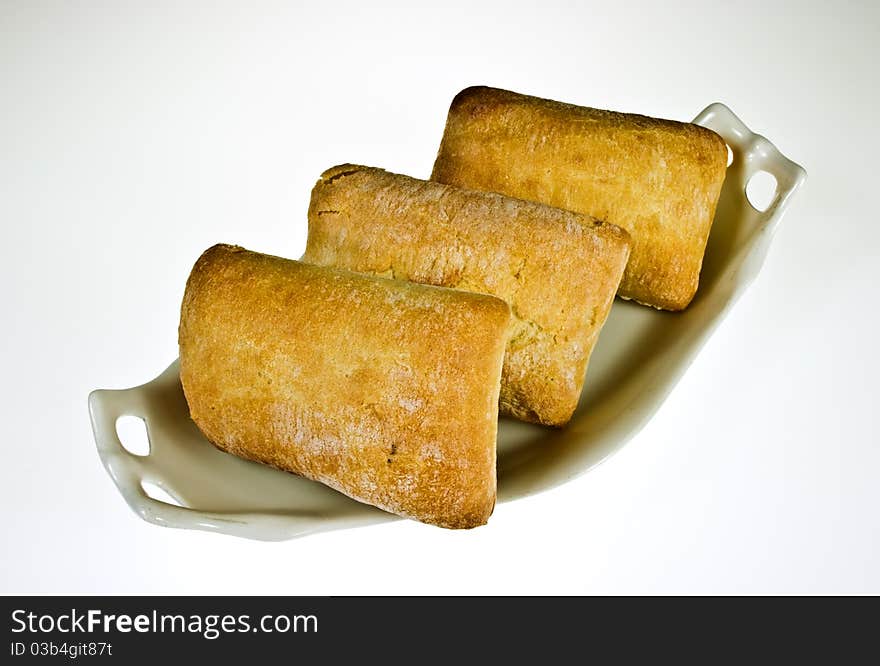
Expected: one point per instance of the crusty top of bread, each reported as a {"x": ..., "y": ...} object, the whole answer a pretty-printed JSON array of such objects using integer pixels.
[
  {"x": 479, "y": 100},
  {"x": 384, "y": 390},
  {"x": 658, "y": 179}
]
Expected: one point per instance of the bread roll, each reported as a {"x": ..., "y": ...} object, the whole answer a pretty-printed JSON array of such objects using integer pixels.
[
  {"x": 386, "y": 391},
  {"x": 658, "y": 179},
  {"x": 559, "y": 270}
]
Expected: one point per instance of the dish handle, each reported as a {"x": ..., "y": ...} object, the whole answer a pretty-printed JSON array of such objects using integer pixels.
[
  {"x": 128, "y": 470},
  {"x": 753, "y": 153}
]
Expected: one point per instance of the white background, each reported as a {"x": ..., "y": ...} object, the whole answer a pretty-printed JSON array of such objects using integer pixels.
[{"x": 132, "y": 138}]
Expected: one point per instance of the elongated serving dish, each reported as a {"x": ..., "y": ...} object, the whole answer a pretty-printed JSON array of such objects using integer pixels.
[{"x": 640, "y": 357}]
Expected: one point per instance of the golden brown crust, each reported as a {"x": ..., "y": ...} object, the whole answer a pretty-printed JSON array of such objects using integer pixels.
[
  {"x": 558, "y": 270},
  {"x": 658, "y": 179},
  {"x": 386, "y": 391}
]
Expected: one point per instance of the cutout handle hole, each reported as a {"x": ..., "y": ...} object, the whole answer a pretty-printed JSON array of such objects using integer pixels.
[
  {"x": 761, "y": 190},
  {"x": 158, "y": 493},
  {"x": 132, "y": 432}
]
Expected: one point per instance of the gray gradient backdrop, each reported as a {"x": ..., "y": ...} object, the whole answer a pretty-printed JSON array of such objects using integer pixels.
[{"x": 134, "y": 135}]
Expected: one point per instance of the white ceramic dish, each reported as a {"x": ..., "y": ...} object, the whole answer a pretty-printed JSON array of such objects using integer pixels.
[{"x": 640, "y": 356}]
